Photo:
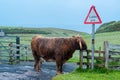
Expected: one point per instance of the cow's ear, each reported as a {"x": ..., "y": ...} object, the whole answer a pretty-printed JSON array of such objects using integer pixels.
[{"x": 77, "y": 41}]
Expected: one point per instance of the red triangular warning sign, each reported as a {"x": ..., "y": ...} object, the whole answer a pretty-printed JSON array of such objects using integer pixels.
[{"x": 92, "y": 17}]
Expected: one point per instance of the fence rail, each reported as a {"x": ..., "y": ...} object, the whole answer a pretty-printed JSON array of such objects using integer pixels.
[{"x": 114, "y": 46}]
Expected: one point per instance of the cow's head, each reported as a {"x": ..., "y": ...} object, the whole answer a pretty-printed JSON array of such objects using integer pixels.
[{"x": 80, "y": 42}]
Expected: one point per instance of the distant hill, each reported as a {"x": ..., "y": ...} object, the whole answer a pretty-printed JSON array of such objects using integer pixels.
[
  {"x": 109, "y": 27},
  {"x": 42, "y": 31}
]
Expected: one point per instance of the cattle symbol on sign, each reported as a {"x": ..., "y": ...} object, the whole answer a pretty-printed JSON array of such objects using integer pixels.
[{"x": 92, "y": 17}]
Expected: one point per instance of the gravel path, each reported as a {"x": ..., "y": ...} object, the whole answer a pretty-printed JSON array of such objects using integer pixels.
[{"x": 25, "y": 71}]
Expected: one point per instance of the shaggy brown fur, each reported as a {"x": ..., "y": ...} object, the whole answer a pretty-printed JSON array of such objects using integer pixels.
[{"x": 58, "y": 49}]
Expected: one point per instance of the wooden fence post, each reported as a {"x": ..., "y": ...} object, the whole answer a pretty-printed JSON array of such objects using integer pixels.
[
  {"x": 106, "y": 48},
  {"x": 11, "y": 54},
  {"x": 88, "y": 59},
  {"x": 18, "y": 49},
  {"x": 81, "y": 59},
  {"x": 99, "y": 52},
  {"x": 104, "y": 54}
]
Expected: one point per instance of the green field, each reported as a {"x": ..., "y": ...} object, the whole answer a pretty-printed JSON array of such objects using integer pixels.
[{"x": 112, "y": 37}]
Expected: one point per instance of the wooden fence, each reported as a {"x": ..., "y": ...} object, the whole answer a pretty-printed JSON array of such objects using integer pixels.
[
  {"x": 112, "y": 55},
  {"x": 25, "y": 53},
  {"x": 102, "y": 58},
  {"x": 86, "y": 59},
  {"x": 4, "y": 48},
  {"x": 11, "y": 51}
]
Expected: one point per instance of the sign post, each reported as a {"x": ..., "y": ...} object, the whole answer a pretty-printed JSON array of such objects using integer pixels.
[
  {"x": 93, "y": 18},
  {"x": 93, "y": 47}
]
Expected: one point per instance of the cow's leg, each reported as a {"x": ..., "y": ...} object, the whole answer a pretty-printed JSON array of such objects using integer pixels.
[
  {"x": 37, "y": 61},
  {"x": 59, "y": 64}
]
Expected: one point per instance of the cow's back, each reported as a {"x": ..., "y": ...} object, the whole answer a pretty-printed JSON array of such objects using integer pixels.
[{"x": 48, "y": 48}]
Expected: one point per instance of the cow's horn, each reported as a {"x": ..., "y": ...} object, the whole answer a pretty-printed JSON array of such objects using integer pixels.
[{"x": 80, "y": 45}]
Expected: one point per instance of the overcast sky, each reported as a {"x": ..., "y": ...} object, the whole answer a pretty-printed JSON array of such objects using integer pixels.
[{"x": 66, "y": 14}]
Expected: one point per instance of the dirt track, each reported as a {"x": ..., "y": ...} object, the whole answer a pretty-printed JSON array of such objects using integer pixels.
[{"x": 25, "y": 71}]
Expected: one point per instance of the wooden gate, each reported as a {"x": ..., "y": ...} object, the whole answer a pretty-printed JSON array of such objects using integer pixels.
[
  {"x": 25, "y": 53},
  {"x": 5, "y": 49}
]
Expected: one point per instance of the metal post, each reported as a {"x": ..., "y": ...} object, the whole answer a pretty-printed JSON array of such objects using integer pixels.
[
  {"x": 18, "y": 49},
  {"x": 93, "y": 48}
]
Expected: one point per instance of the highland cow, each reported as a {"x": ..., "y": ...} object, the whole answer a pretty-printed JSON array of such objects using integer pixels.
[{"x": 58, "y": 49}]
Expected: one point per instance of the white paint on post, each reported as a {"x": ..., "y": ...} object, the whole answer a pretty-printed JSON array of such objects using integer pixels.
[{"x": 93, "y": 47}]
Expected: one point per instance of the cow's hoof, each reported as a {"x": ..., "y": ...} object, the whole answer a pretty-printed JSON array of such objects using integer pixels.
[{"x": 38, "y": 70}]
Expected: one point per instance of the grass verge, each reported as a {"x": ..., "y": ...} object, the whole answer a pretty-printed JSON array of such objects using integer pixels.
[{"x": 88, "y": 74}]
